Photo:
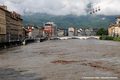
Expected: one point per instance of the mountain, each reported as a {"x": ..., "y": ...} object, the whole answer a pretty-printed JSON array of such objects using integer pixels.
[{"x": 70, "y": 20}]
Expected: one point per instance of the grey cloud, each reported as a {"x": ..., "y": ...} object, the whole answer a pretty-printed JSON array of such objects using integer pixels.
[
  {"x": 1, "y": 2},
  {"x": 63, "y": 7}
]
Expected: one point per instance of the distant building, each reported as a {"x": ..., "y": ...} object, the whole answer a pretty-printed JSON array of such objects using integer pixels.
[
  {"x": 87, "y": 31},
  {"x": 72, "y": 31},
  {"x": 35, "y": 32},
  {"x": 62, "y": 32},
  {"x": 81, "y": 32},
  {"x": 114, "y": 29},
  {"x": 50, "y": 29},
  {"x": 41, "y": 32},
  {"x": 65, "y": 32},
  {"x": 32, "y": 32}
]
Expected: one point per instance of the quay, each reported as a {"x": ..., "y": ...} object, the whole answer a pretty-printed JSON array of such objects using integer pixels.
[
  {"x": 9, "y": 44},
  {"x": 28, "y": 40}
]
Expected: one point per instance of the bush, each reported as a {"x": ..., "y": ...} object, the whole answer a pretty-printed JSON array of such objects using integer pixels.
[
  {"x": 102, "y": 31},
  {"x": 104, "y": 37},
  {"x": 116, "y": 39}
]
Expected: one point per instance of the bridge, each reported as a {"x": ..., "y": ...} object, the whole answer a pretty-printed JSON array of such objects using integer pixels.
[{"x": 79, "y": 37}]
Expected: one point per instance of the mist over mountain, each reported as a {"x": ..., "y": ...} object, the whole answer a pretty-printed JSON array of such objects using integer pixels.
[
  {"x": 85, "y": 21},
  {"x": 66, "y": 13}
]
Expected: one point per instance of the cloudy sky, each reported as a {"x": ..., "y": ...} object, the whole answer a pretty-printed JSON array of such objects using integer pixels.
[{"x": 63, "y": 7}]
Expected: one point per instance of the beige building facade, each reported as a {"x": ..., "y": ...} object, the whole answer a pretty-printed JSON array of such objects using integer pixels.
[
  {"x": 2, "y": 24},
  {"x": 114, "y": 29}
]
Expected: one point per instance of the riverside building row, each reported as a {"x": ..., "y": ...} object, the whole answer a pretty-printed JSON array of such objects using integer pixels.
[{"x": 10, "y": 25}]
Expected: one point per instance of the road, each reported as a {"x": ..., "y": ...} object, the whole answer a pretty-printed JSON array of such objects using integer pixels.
[{"x": 61, "y": 60}]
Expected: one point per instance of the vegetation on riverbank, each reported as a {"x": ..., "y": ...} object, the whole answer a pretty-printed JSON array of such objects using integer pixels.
[
  {"x": 106, "y": 37},
  {"x": 103, "y": 33}
]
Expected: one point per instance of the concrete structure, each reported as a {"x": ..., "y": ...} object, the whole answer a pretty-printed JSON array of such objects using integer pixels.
[{"x": 114, "y": 29}]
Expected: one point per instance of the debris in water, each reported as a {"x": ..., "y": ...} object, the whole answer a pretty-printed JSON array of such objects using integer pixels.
[{"x": 64, "y": 62}]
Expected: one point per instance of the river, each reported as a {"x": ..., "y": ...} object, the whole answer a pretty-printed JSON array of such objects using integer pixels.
[{"x": 62, "y": 60}]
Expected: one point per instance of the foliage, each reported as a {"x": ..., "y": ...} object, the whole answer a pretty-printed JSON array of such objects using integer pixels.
[
  {"x": 102, "y": 31},
  {"x": 116, "y": 39},
  {"x": 105, "y": 37}
]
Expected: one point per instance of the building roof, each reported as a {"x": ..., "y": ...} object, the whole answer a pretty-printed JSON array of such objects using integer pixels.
[
  {"x": 114, "y": 25},
  {"x": 2, "y": 7},
  {"x": 13, "y": 14},
  {"x": 118, "y": 17}
]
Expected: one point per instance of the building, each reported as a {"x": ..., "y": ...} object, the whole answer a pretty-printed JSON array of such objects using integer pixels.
[
  {"x": 114, "y": 29},
  {"x": 2, "y": 24},
  {"x": 10, "y": 25},
  {"x": 72, "y": 31},
  {"x": 62, "y": 32},
  {"x": 41, "y": 32},
  {"x": 13, "y": 26},
  {"x": 35, "y": 32},
  {"x": 50, "y": 29},
  {"x": 81, "y": 32},
  {"x": 89, "y": 32},
  {"x": 32, "y": 32}
]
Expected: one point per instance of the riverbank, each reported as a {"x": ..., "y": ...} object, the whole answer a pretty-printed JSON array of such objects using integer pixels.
[{"x": 105, "y": 37}]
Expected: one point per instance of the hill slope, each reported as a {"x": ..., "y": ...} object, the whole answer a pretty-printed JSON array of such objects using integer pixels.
[{"x": 70, "y": 20}]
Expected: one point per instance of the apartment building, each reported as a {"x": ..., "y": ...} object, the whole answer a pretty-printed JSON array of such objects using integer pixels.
[{"x": 10, "y": 25}]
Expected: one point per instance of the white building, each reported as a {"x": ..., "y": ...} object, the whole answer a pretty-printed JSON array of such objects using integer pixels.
[{"x": 72, "y": 31}]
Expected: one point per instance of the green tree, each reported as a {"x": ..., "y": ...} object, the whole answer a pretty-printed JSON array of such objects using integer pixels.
[{"x": 102, "y": 31}]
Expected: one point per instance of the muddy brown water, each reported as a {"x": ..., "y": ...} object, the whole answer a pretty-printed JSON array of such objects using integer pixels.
[{"x": 61, "y": 60}]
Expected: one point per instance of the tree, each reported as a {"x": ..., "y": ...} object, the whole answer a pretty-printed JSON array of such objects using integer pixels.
[{"x": 102, "y": 31}]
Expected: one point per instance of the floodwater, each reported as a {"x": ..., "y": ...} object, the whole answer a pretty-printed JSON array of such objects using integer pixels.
[{"x": 62, "y": 60}]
